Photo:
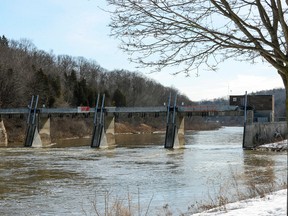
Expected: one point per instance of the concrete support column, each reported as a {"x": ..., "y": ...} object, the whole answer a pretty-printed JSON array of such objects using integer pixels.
[
  {"x": 39, "y": 133},
  {"x": 109, "y": 129},
  {"x": 37, "y": 141},
  {"x": 104, "y": 135},
  {"x": 44, "y": 132},
  {"x": 179, "y": 138},
  {"x": 3, "y": 135},
  {"x": 260, "y": 133},
  {"x": 250, "y": 116}
]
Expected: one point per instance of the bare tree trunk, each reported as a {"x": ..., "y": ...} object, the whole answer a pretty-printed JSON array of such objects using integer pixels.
[
  {"x": 286, "y": 90},
  {"x": 285, "y": 81}
]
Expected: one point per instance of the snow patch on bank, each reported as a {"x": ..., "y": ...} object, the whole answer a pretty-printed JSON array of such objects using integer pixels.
[
  {"x": 277, "y": 146},
  {"x": 274, "y": 204}
]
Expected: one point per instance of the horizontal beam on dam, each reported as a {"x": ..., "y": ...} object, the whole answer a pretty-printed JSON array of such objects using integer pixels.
[
  {"x": 154, "y": 109},
  {"x": 136, "y": 109},
  {"x": 91, "y": 110},
  {"x": 13, "y": 111}
]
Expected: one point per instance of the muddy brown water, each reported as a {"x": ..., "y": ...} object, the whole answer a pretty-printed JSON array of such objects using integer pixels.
[{"x": 70, "y": 178}]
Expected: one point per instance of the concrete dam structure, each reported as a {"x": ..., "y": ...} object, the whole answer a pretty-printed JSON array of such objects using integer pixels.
[{"x": 104, "y": 122}]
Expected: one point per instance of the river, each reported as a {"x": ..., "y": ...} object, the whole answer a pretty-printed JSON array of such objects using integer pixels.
[{"x": 71, "y": 178}]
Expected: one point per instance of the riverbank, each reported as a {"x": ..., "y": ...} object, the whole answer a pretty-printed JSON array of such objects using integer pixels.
[
  {"x": 274, "y": 204},
  {"x": 61, "y": 128},
  {"x": 271, "y": 203}
]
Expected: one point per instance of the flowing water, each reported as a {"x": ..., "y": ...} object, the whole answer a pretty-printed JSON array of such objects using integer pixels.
[{"x": 71, "y": 178}]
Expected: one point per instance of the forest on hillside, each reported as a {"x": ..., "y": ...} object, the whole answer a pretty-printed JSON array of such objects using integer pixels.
[{"x": 66, "y": 81}]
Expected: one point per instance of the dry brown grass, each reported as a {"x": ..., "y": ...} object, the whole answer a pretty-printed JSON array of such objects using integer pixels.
[
  {"x": 222, "y": 195},
  {"x": 117, "y": 206},
  {"x": 231, "y": 191}
]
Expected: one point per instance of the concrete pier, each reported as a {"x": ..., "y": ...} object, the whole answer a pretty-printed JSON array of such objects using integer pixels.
[
  {"x": 109, "y": 129},
  {"x": 259, "y": 133},
  {"x": 180, "y": 132},
  {"x": 104, "y": 137},
  {"x": 3, "y": 134},
  {"x": 44, "y": 132}
]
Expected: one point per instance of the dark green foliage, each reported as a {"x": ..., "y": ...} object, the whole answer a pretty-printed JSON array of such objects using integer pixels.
[
  {"x": 118, "y": 100},
  {"x": 70, "y": 88},
  {"x": 46, "y": 86},
  {"x": 107, "y": 98},
  {"x": 81, "y": 93},
  {"x": 91, "y": 97},
  {"x": 8, "y": 90},
  {"x": 55, "y": 84},
  {"x": 78, "y": 93},
  {"x": 3, "y": 41}
]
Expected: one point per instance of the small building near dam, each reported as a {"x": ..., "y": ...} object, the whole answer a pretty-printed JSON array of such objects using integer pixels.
[
  {"x": 261, "y": 105},
  {"x": 260, "y": 127}
]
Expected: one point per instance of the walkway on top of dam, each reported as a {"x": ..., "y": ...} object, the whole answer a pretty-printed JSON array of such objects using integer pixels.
[{"x": 209, "y": 110}]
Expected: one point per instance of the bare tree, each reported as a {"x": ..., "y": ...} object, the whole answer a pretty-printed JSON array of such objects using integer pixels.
[{"x": 196, "y": 33}]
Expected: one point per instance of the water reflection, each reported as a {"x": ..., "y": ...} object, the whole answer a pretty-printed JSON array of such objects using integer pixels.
[
  {"x": 259, "y": 168},
  {"x": 139, "y": 140}
]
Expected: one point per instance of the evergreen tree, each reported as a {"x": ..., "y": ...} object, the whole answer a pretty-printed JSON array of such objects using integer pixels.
[
  {"x": 3, "y": 41},
  {"x": 119, "y": 99}
]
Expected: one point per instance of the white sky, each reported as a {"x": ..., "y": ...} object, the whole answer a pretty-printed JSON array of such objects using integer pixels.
[{"x": 80, "y": 28}]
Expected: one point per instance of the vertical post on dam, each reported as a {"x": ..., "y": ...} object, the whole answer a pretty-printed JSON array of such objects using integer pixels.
[
  {"x": 171, "y": 128},
  {"x": 245, "y": 120},
  {"x": 31, "y": 132},
  {"x": 103, "y": 129},
  {"x": 98, "y": 124}
]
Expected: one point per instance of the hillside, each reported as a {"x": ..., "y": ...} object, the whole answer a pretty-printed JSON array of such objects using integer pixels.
[{"x": 66, "y": 81}]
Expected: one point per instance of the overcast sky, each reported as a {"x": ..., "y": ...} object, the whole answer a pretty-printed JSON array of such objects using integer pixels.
[{"x": 80, "y": 28}]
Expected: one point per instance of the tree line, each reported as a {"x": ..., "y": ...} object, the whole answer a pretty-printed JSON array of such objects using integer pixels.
[{"x": 66, "y": 81}]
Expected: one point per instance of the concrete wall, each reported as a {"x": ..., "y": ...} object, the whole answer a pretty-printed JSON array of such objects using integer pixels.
[
  {"x": 109, "y": 135},
  {"x": 44, "y": 132},
  {"x": 260, "y": 133},
  {"x": 180, "y": 131},
  {"x": 3, "y": 135}
]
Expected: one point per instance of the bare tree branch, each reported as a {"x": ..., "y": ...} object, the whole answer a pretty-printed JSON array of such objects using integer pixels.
[{"x": 190, "y": 33}]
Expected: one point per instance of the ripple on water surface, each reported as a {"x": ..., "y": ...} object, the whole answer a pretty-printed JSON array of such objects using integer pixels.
[{"x": 68, "y": 180}]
